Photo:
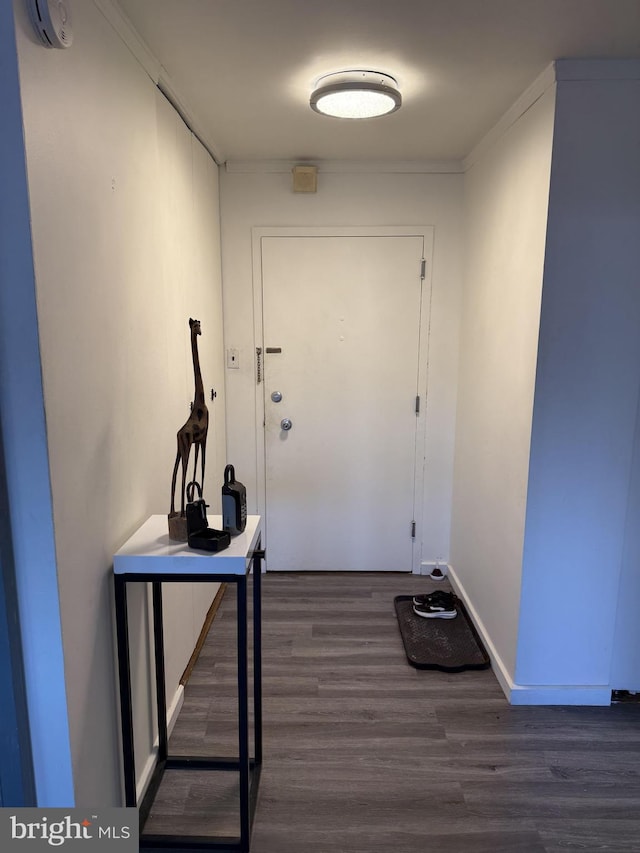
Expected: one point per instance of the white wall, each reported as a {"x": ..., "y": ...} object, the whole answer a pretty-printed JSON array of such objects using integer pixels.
[
  {"x": 588, "y": 376},
  {"x": 126, "y": 248},
  {"x": 258, "y": 195},
  {"x": 506, "y": 195}
]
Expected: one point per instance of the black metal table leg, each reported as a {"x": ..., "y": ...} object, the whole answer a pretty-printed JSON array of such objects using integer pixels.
[
  {"x": 124, "y": 675},
  {"x": 243, "y": 715},
  {"x": 257, "y": 654},
  {"x": 161, "y": 689}
]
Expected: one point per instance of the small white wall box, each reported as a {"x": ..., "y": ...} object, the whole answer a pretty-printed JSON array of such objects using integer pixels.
[{"x": 305, "y": 179}]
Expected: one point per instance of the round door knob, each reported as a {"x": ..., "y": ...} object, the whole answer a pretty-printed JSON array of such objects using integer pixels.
[
  {"x": 276, "y": 396},
  {"x": 286, "y": 424}
]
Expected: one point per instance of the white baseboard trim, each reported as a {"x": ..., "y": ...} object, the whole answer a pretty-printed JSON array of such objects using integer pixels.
[
  {"x": 559, "y": 694},
  {"x": 147, "y": 772},
  {"x": 172, "y": 715},
  {"x": 174, "y": 708},
  {"x": 497, "y": 664},
  {"x": 529, "y": 694}
]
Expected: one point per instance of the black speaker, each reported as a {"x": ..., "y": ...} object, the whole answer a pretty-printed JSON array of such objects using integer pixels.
[{"x": 234, "y": 503}]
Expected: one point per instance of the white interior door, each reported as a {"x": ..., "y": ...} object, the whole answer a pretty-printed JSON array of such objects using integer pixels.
[{"x": 341, "y": 322}]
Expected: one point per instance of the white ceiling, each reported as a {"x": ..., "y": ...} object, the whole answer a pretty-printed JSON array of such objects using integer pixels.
[{"x": 245, "y": 68}]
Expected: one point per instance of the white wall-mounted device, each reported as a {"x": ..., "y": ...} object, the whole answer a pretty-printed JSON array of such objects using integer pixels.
[
  {"x": 51, "y": 20},
  {"x": 305, "y": 179}
]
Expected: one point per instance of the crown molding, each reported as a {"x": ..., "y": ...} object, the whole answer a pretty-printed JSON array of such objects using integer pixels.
[
  {"x": 127, "y": 33},
  {"x": 528, "y": 98},
  {"x": 560, "y": 71},
  {"x": 343, "y": 167}
]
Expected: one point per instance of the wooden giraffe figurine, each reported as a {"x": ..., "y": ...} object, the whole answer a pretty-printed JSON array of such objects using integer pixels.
[{"x": 194, "y": 432}]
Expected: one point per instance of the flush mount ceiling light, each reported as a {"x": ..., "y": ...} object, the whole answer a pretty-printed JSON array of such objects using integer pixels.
[{"x": 356, "y": 94}]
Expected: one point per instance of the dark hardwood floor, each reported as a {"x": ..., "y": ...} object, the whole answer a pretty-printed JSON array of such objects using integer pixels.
[{"x": 365, "y": 754}]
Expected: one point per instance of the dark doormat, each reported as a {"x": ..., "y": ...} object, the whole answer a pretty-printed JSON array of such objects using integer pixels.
[{"x": 450, "y": 645}]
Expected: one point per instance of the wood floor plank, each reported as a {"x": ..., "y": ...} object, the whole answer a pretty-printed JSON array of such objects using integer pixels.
[
  {"x": 553, "y": 799},
  {"x": 364, "y": 753},
  {"x": 590, "y": 835}
]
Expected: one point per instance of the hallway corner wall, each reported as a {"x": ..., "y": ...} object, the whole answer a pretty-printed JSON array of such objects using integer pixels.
[
  {"x": 588, "y": 379},
  {"x": 506, "y": 196}
]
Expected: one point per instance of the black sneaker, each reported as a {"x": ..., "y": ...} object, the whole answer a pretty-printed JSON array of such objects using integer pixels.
[
  {"x": 435, "y": 605},
  {"x": 435, "y": 610},
  {"x": 440, "y": 595}
]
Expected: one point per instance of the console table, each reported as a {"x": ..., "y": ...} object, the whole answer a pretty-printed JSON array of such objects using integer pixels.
[{"x": 151, "y": 557}]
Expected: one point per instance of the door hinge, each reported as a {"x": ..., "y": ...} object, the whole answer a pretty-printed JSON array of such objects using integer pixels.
[
  {"x": 259, "y": 365},
  {"x": 413, "y": 530},
  {"x": 418, "y": 404},
  {"x": 423, "y": 269}
]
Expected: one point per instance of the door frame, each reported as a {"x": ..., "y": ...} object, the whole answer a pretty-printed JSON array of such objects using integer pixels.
[{"x": 426, "y": 232}]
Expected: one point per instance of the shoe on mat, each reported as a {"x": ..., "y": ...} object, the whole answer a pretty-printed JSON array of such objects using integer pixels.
[
  {"x": 435, "y": 610},
  {"x": 440, "y": 595}
]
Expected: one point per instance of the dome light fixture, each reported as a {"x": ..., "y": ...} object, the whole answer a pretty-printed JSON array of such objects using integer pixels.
[{"x": 356, "y": 94}]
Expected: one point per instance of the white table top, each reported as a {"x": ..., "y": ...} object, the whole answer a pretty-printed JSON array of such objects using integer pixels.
[{"x": 149, "y": 547}]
